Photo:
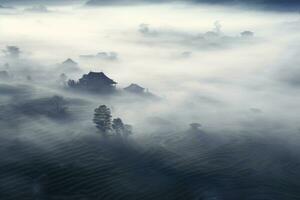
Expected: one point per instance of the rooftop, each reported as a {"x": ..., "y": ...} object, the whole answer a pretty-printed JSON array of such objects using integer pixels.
[{"x": 98, "y": 76}]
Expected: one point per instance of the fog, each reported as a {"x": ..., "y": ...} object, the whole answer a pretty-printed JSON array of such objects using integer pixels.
[
  {"x": 233, "y": 70},
  {"x": 226, "y": 68}
]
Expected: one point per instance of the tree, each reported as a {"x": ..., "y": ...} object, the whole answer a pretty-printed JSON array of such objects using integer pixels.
[
  {"x": 118, "y": 126},
  {"x": 127, "y": 130},
  {"x": 102, "y": 119},
  {"x": 58, "y": 103},
  {"x": 12, "y": 51},
  {"x": 71, "y": 83},
  {"x": 63, "y": 79}
]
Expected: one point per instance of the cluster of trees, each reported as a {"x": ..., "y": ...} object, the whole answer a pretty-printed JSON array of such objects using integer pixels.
[
  {"x": 107, "y": 126},
  {"x": 55, "y": 107}
]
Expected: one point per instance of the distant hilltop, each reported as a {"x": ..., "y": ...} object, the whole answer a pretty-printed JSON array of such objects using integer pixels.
[
  {"x": 69, "y": 66},
  {"x": 69, "y": 61}
]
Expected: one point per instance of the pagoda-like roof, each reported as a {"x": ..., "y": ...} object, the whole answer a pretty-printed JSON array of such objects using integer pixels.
[{"x": 98, "y": 76}]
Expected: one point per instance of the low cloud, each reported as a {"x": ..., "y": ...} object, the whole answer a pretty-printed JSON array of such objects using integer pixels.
[
  {"x": 37, "y": 9},
  {"x": 110, "y": 56},
  {"x": 215, "y": 38}
]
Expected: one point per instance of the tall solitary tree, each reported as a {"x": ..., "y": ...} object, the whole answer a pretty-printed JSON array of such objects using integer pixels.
[{"x": 102, "y": 119}]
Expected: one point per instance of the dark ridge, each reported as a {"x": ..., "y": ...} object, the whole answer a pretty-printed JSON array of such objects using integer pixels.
[{"x": 280, "y": 5}]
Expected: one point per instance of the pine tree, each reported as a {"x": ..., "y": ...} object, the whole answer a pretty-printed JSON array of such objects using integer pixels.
[{"x": 102, "y": 119}]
